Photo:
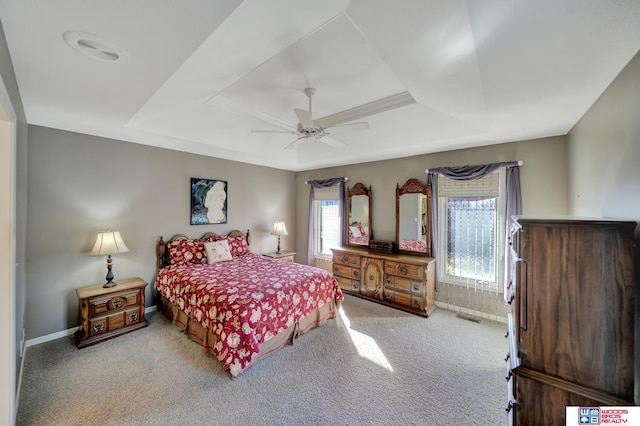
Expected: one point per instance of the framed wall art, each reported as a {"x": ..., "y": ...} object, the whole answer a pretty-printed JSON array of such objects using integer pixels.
[{"x": 208, "y": 201}]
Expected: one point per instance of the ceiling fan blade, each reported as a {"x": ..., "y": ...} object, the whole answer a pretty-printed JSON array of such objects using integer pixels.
[
  {"x": 305, "y": 118},
  {"x": 274, "y": 131},
  {"x": 332, "y": 142},
  {"x": 296, "y": 142},
  {"x": 361, "y": 125}
]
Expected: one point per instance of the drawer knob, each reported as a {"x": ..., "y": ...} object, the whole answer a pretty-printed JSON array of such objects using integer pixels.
[
  {"x": 356, "y": 273},
  {"x": 402, "y": 269},
  {"x": 98, "y": 327},
  {"x": 388, "y": 281},
  {"x": 116, "y": 303},
  {"x": 133, "y": 317},
  {"x": 345, "y": 258}
]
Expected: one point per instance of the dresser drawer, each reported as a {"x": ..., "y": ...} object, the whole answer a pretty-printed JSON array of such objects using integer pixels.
[
  {"x": 403, "y": 269},
  {"x": 104, "y": 304},
  {"x": 404, "y": 284},
  {"x": 349, "y": 259},
  {"x": 406, "y": 299},
  {"x": 348, "y": 284},
  {"x": 346, "y": 271}
]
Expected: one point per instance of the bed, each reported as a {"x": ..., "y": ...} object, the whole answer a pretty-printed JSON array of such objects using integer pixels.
[
  {"x": 412, "y": 245},
  {"x": 240, "y": 306}
]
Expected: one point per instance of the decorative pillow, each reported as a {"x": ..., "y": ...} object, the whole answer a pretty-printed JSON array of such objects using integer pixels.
[
  {"x": 184, "y": 252},
  {"x": 355, "y": 232},
  {"x": 361, "y": 229},
  {"x": 217, "y": 251},
  {"x": 238, "y": 246}
]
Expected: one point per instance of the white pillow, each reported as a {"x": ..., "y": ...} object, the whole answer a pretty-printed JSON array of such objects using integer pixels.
[
  {"x": 355, "y": 232},
  {"x": 217, "y": 251}
]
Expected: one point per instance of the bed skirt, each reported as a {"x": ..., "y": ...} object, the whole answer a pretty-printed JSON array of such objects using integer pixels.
[{"x": 207, "y": 340}]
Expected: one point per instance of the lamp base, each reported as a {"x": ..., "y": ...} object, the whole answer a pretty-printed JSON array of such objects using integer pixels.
[{"x": 110, "y": 283}]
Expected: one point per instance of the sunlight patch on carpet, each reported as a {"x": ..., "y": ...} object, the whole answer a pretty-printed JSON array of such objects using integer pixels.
[{"x": 365, "y": 345}]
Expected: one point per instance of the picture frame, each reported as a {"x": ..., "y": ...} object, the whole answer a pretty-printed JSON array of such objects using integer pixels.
[{"x": 208, "y": 201}]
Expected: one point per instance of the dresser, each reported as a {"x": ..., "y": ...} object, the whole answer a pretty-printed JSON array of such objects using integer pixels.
[
  {"x": 571, "y": 328},
  {"x": 109, "y": 312},
  {"x": 401, "y": 281}
]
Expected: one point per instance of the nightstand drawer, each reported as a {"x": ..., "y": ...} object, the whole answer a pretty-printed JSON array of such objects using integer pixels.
[
  {"x": 132, "y": 317},
  {"x": 104, "y": 324},
  {"x": 104, "y": 304}
]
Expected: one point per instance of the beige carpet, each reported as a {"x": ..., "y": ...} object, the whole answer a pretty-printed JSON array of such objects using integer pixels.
[{"x": 372, "y": 366}]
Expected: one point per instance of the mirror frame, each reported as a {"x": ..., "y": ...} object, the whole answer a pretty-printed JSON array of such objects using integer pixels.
[
  {"x": 358, "y": 189},
  {"x": 413, "y": 186}
]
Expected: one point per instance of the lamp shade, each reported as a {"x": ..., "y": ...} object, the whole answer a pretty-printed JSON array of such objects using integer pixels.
[
  {"x": 279, "y": 228},
  {"x": 108, "y": 243}
]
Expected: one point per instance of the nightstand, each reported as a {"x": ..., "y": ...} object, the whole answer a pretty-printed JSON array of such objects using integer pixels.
[
  {"x": 109, "y": 312},
  {"x": 287, "y": 256}
]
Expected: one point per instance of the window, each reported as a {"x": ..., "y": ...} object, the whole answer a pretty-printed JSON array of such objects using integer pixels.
[
  {"x": 327, "y": 220},
  {"x": 471, "y": 226}
]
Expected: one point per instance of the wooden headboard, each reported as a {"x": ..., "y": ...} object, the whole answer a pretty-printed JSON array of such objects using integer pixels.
[{"x": 163, "y": 255}]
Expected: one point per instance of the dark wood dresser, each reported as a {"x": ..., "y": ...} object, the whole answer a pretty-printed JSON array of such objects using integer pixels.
[
  {"x": 401, "y": 281},
  {"x": 571, "y": 328},
  {"x": 109, "y": 312}
]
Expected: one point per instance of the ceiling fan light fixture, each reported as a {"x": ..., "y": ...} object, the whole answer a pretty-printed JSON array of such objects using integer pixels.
[{"x": 307, "y": 128}]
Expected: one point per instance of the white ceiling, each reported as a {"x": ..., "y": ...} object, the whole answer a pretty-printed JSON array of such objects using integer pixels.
[{"x": 198, "y": 75}]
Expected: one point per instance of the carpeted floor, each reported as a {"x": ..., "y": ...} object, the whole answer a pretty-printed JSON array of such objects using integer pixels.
[{"x": 373, "y": 365}]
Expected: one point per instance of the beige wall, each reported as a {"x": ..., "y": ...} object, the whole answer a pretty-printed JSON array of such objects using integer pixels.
[
  {"x": 543, "y": 178},
  {"x": 79, "y": 185},
  {"x": 604, "y": 152}
]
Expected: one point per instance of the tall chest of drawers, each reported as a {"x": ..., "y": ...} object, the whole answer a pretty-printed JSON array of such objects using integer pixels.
[
  {"x": 571, "y": 328},
  {"x": 401, "y": 281}
]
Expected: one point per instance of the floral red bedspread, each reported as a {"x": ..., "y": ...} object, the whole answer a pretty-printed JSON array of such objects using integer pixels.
[
  {"x": 413, "y": 245},
  {"x": 246, "y": 301}
]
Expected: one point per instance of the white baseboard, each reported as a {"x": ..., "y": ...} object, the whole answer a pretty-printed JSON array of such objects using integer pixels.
[
  {"x": 68, "y": 332},
  {"x": 471, "y": 312}
]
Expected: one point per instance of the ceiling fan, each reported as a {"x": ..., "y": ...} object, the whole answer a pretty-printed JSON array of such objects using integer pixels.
[{"x": 308, "y": 128}]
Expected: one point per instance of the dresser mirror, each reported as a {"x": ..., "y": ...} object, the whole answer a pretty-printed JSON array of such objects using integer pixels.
[
  {"x": 413, "y": 218},
  {"x": 358, "y": 205}
]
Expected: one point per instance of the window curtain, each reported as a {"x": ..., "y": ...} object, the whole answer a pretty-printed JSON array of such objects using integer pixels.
[
  {"x": 320, "y": 184},
  {"x": 513, "y": 205}
]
